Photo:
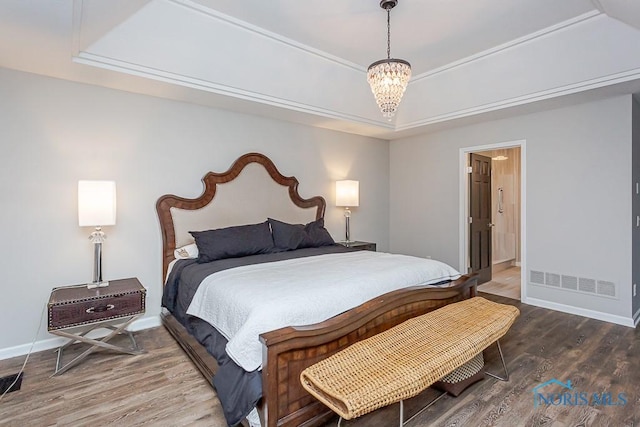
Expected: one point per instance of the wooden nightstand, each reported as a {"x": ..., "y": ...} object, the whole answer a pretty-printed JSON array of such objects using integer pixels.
[
  {"x": 74, "y": 311},
  {"x": 363, "y": 246}
]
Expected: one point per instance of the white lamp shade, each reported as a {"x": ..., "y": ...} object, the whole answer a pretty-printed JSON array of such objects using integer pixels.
[
  {"x": 348, "y": 193},
  {"x": 96, "y": 203}
]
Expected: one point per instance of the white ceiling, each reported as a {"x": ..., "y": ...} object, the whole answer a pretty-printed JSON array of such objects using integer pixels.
[
  {"x": 306, "y": 61},
  {"x": 429, "y": 34}
]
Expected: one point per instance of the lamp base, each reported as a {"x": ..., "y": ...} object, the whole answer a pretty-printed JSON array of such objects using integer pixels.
[
  {"x": 347, "y": 226},
  {"x": 97, "y": 237},
  {"x": 94, "y": 285}
]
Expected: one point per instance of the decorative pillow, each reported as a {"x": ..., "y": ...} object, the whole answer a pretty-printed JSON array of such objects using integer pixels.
[
  {"x": 297, "y": 236},
  {"x": 186, "y": 252},
  {"x": 464, "y": 376},
  {"x": 233, "y": 242}
]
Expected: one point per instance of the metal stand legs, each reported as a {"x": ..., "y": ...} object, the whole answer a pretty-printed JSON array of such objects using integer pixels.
[
  {"x": 95, "y": 344},
  {"x": 402, "y": 422},
  {"x": 504, "y": 365}
]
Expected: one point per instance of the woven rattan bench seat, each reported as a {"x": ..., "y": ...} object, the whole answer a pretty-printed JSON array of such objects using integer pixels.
[{"x": 401, "y": 362}]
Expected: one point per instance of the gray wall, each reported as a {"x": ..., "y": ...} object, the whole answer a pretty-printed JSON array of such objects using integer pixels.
[
  {"x": 577, "y": 196},
  {"x": 55, "y": 132},
  {"x": 636, "y": 206}
]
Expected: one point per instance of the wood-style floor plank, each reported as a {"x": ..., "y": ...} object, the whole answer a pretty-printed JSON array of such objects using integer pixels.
[
  {"x": 160, "y": 387},
  {"x": 504, "y": 282},
  {"x": 163, "y": 388}
]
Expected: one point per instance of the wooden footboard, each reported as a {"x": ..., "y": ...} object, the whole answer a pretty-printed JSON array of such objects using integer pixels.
[{"x": 288, "y": 351}]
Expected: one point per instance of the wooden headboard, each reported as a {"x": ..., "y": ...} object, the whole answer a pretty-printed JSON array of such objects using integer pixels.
[{"x": 251, "y": 191}]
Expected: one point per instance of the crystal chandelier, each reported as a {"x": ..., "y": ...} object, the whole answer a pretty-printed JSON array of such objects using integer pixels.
[{"x": 388, "y": 78}]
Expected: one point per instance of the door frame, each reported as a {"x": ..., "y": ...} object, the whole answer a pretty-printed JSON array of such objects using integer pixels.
[{"x": 464, "y": 206}]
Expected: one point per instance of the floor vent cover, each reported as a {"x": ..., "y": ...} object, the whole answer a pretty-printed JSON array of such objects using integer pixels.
[
  {"x": 583, "y": 285},
  {"x": 587, "y": 285},
  {"x": 536, "y": 277},
  {"x": 606, "y": 288},
  {"x": 10, "y": 383},
  {"x": 570, "y": 282},
  {"x": 551, "y": 279}
]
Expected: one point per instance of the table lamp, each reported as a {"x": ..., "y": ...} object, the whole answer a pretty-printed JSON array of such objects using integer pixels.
[
  {"x": 347, "y": 196},
  {"x": 97, "y": 208}
]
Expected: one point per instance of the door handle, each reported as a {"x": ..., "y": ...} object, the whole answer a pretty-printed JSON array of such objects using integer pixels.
[{"x": 490, "y": 225}]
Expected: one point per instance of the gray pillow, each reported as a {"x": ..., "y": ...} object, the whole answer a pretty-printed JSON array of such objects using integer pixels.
[
  {"x": 297, "y": 236},
  {"x": 233, "y": 242}
]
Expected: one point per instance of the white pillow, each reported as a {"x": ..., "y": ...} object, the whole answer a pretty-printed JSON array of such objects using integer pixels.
[{"x": 186, "y": 252}]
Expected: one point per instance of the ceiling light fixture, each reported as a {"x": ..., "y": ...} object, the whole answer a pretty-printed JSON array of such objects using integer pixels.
[{"x": 388, "y": 77}]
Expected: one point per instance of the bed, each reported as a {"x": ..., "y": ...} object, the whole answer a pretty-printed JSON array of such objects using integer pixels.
[{"x": 251, "y": 191}]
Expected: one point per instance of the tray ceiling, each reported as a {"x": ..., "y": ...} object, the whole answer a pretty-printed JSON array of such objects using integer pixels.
[{"x": 306, "y": 61}]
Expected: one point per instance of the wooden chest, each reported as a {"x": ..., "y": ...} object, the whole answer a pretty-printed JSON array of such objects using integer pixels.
[{"x": 76, "y": 305}]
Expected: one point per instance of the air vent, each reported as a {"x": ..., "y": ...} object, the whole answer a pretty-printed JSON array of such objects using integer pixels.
[
  {"x": 583, "y": 285},
  {"x": 606, "y": 288},
  {"x": 587, "y": 285},
  {"x": 536, "y": 277},
  {"x": 552, "y": 279},
  {"x": 570, "y": 282}
]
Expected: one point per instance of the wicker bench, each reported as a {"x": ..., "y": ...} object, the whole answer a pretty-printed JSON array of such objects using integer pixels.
[{"x": 403, "y": 361}]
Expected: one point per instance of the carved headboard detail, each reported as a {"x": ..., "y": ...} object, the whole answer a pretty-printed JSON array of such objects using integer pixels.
[{"x": 244, "y": 194}]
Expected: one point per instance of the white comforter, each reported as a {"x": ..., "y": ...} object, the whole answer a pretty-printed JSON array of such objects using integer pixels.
[{"x": 244, "y": 302}]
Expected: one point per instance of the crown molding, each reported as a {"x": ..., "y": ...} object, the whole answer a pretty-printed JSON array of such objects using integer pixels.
[
  {"x": 527, "y": 99},
  {"x": 265, "y": 33},
  {"x": 509, "y": 45},
  {"x": 113, "y": 64},
  {"x": 110, "y": 61}
]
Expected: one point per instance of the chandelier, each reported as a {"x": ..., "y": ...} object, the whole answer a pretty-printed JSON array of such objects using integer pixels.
[{"x": 388, "y": 78}]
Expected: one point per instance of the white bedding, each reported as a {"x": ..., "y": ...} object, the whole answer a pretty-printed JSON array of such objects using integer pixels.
[{"x": 244, "y": 302}]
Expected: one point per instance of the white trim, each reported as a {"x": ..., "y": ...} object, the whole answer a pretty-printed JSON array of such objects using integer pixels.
[
  {"x": 113, "y": 64},
  {"x": 51, "y": 343},
  {"x": 147, "y": 322},
  {"x": 267, "y": 34},
  {"x": 578, "y": 291},
  {"x": 592, "y": 314},
  {"x": 76, "y": 23},
  {"x": 599, "y": 6},
  {"x": 463, "y": 221},
  {"x": 513, "y": 43},
  {"x": 542, "y": 95},
  {"x": 464, "y": 205}
]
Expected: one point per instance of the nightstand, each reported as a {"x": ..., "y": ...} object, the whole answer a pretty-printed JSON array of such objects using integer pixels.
[
  {"x": 74, "y": 311},
  {"x": 363, "y": 246}
]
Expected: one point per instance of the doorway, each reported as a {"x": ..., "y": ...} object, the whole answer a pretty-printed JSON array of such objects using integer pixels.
[{"x": 493, "y": 245}]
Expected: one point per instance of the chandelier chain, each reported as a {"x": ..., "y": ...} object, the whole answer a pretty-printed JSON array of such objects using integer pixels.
[{"x": 388, "y": 33}]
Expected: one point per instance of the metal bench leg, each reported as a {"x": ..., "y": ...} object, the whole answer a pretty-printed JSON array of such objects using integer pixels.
[
  {"x": 403, "y": 423},
  {"x": 504, "y": 365}
]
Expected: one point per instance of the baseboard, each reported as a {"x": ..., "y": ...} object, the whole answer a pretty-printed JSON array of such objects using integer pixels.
[
  {"x": 51, "y": 343},
  {"x": 592, "y": 314},
  {"x": 502, "y": 265},
  {"x": 636, "y": 318},
  {"x": 146, "y": 323}
]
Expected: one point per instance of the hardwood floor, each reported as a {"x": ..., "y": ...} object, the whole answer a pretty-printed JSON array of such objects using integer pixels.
[
  {"x": 505, "y": 283},
  {"x": 163, "y": 388}
]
